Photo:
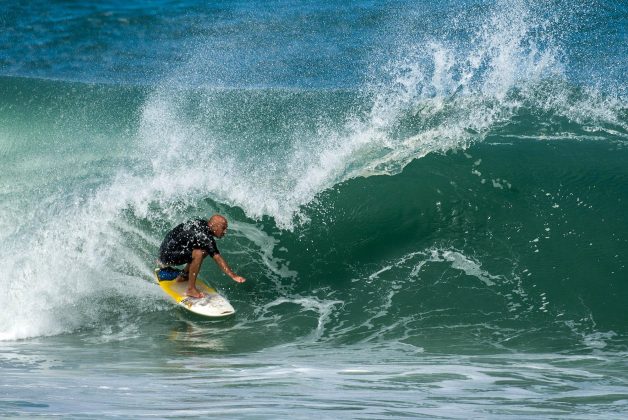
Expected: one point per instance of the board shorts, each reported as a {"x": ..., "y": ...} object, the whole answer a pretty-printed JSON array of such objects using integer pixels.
[{"x": 166, "y": 258}]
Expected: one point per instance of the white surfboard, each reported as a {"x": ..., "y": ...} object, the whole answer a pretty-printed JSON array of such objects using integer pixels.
[{"x": 212, "y": 305}]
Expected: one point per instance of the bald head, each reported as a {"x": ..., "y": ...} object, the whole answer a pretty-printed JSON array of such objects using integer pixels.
[{"x": 218, "y": 225}]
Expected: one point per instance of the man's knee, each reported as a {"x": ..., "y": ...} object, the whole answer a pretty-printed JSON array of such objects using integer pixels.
[{"x": 198, "y": 254}]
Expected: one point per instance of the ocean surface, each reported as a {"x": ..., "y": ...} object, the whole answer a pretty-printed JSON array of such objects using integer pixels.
[{"x": 429, "y": 201}]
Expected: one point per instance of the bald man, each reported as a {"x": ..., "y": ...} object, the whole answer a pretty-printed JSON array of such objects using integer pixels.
[{"x": 189, "y": 243}]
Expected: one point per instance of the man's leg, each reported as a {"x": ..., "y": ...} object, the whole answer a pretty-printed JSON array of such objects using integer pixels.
[
  {"x": 193, "y": 270},
  {"x": 183, "y": 276}
]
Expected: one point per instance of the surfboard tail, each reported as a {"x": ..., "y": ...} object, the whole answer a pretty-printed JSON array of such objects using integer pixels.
[{"x": 167, "y": 273}]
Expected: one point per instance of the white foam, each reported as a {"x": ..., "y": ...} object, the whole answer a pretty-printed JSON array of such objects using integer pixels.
[
  {"x": 459, "y": 92},
  {"x": 322, "y": 307}
]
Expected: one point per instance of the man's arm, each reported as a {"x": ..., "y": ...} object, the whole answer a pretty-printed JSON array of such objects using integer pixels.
[{"x": 225, "y": 268}]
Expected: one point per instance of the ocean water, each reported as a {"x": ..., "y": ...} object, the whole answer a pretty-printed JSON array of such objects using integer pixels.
[{"x": 429, "y": 201}]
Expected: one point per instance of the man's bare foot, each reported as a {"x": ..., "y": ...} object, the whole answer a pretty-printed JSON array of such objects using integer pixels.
[
  {"x": 195, "y": 293},
  {"x": 182, "y": 277}
]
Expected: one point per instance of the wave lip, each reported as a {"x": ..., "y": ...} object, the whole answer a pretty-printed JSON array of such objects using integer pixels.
[{"x": 431, "y": 95}]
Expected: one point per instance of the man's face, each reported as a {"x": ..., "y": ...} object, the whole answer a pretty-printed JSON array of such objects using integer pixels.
[{"x": 220, "y": 229}]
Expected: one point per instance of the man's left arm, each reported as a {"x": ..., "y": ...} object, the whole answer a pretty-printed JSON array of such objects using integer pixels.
[{"x": 225, "y": 268}]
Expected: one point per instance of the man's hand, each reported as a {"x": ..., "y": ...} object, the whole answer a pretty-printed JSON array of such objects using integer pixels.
[{"x": 238, "y": 279}]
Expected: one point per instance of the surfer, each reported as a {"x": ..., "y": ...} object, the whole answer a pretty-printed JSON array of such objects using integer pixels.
[{"x": 189, "y": 243}]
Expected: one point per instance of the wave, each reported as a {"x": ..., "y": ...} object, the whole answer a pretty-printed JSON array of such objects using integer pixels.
[{"x": 100, "y": 172}]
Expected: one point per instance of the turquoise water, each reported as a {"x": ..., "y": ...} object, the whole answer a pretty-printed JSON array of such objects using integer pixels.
[{"x": 428, "y": 202}]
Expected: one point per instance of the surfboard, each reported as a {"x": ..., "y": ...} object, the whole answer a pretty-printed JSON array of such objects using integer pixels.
[{"x": 212, "y": 305}]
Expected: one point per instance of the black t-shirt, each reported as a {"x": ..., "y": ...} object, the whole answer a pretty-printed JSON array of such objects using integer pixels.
[{"x": 177, "y": 247}]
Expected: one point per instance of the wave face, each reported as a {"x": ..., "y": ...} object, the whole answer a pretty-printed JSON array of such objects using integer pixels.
[{"x": 444, "y": 178}]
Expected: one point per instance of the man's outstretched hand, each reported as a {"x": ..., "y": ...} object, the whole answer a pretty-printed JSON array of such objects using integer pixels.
[{"x": 239, "y": 279}]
